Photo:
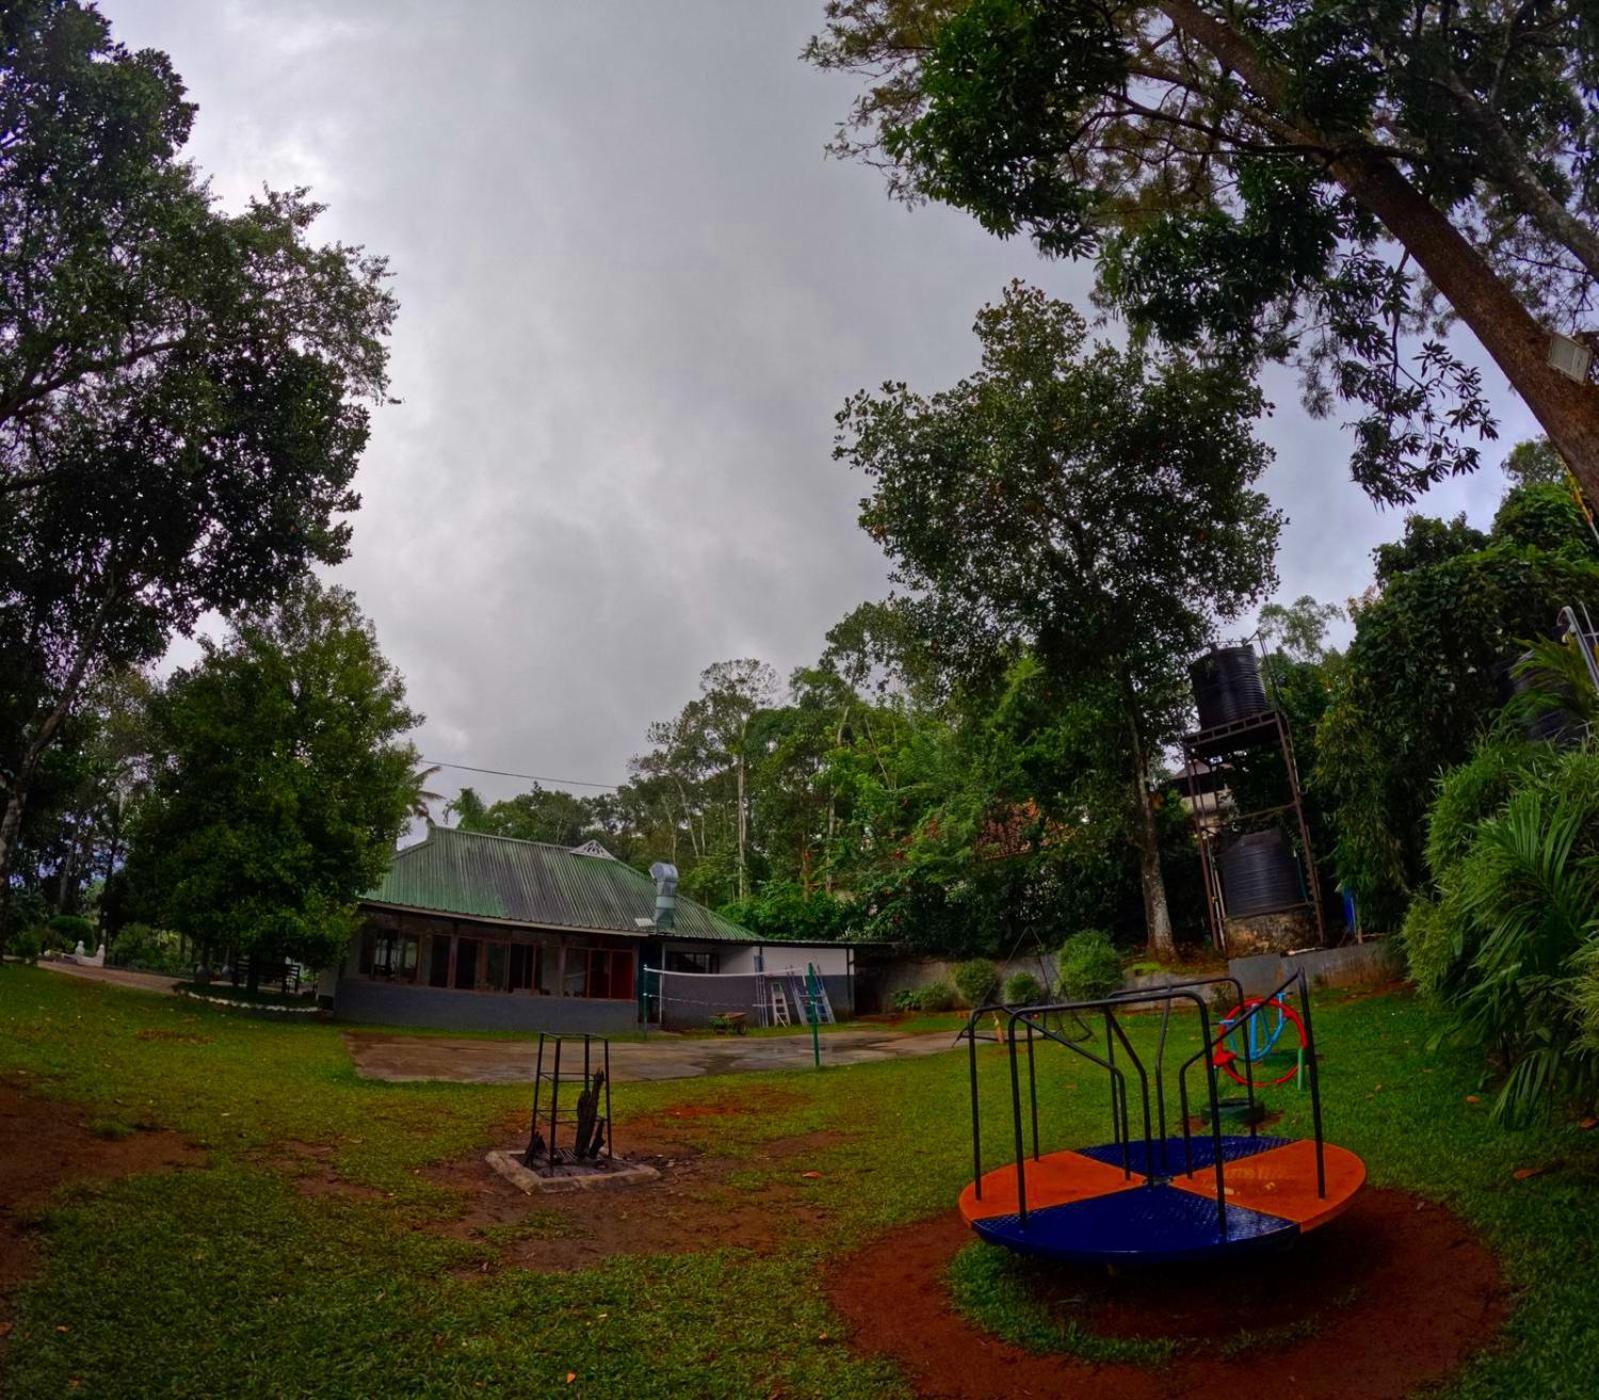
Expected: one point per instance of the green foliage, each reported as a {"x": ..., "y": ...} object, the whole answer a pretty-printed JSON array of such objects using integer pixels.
[
  {"x": 186, "y": 392},
  {"x": 1089, "y": 966},
  {"x": 1207, "y": 190},
  {"x": 1472, "y": 793},
  {"x": 1544, "y": 516},
  {"x": 1023, "y": 989},
  {"x": 784, "y": 911},
  {"x": 1429, "y": 945},
  {"x": 1508, "y": 941},
  {"x": 1535, "y": 461},
  {"x": 1299, "y": 629},
  {"x": 283, "y": 783},
  {"x": 25, "y": 945},
  {"x": 992, "y": 499},
  {"x": 930, "y": 996},
  {"x": 1421, "y": 683},
  {"x": 65, "y": 931},
  {"x": 976, "y": 980},
  {"x": 148, "y": 949}
]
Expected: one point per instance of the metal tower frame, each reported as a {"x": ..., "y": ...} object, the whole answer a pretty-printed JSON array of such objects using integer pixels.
[{"x": 1252, "y": 732}]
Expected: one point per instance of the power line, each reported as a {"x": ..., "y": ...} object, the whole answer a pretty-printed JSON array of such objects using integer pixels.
[{"x": 530, "y": 777}]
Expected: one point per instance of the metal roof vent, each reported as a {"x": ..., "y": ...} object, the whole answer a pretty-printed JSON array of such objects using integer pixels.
[
  {"x": 664, "y": 873},
  {"x": 591, "y": 848}
]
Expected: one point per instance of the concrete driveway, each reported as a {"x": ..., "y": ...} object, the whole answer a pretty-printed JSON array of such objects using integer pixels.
[{"x": 403, "y": 1058}]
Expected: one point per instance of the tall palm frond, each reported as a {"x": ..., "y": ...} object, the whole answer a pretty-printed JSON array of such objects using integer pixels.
[
  {"x": 422, "y": 797},
  {"x": 1529, "y": 891}
]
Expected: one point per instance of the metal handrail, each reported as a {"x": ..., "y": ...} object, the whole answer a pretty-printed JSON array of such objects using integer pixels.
[{"x": 1121, "y": 1126}]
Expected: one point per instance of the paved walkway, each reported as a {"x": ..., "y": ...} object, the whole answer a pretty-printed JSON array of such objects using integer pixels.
[
  {"x": 117, "y": 976},
  {"x": 403, "y": 1058}
]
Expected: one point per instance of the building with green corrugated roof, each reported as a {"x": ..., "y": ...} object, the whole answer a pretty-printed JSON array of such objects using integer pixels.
[{"x": 470, "y": 931}]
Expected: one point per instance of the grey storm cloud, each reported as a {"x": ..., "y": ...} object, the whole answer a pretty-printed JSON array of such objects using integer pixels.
[{"x": 633, "y": 294}]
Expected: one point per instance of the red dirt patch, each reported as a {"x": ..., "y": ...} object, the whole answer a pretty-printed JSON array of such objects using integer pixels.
[
  {"x": 44, "y": 1144},
  {"x": 1394, "y": 1296},
  {"x": 691, "y": 1208}
]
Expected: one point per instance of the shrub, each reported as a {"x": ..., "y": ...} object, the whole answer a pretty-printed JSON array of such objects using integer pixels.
[
  {"x": 65, "y": 931},
  {"x": 977, "y": 981},
  {"x": 1023, "y": 989},
  {"x": 1428, "y": 945},
  {"x": 149, "y": 950},
  {"x": 1508, "y": 943},
  {"x": 25, "y": 945},
  {"x": 1090, "y": 966},
  {"x": 1470, "y": 794},
  {"x": 930, "y": 996}
]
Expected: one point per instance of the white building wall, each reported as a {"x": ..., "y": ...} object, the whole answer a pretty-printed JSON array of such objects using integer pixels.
[{"x": 829, "y": 959}]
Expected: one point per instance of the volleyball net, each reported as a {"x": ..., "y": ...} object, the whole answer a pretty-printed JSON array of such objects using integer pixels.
[{"x": 775, "y": 996}]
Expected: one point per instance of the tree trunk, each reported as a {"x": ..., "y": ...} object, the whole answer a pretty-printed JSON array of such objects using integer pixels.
[
  {"x": 10, "y": 825},
  {"x": 1146, "y": 836},
  {"x": 49, "y": 726},
  {"x": 1567, "y": 411},
  {"x": 743, "y": 827}
]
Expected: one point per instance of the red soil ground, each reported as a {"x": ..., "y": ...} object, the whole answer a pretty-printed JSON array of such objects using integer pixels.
[
  {"x": 692, "y": 1207},
  {"x": 1393, "y": 1296},
  {"x": 43, "y": 1145}
]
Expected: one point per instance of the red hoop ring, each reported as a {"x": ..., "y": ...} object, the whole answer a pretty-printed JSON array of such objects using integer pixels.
[{"x": 1225, "y": 1060}]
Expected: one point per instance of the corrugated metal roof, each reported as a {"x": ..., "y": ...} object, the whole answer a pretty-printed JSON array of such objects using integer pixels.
[{"x": 526, "y": 882}]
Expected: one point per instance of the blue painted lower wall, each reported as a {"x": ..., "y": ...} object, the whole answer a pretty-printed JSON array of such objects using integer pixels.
[{"x": 441, "y": 1008}]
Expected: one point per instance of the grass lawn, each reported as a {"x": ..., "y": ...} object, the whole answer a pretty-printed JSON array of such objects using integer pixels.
[{"x": 233, "y": 1280}]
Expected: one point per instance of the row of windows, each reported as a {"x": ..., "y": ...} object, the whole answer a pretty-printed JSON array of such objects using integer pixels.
[{"x": 471, "y": 964}]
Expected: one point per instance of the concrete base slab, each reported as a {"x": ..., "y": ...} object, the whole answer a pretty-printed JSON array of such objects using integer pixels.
[
  {"x": 402, "y": 1058},
  {"x": 619, "y": 1172}
]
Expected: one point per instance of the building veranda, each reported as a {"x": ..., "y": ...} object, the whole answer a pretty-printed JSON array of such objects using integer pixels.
[{"x": 471, "y": 931}]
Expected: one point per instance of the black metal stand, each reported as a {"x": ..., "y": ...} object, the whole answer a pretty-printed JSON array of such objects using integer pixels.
[{"x": 588, "y": 1131}]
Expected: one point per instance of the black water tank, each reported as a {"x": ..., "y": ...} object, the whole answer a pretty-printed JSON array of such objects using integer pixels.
[
  {"x": 1227, "y": 686},
  {"x": 1259, "y": 875}
]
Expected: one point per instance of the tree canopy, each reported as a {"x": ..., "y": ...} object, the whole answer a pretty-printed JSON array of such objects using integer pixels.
[
  {"x": 1295, "y": 181},
  {"x": 1427, "y": 672},
  {"x": 1089, "y": 506},
  {"x": 184, "y": 393},
  {"x": 281, "y": 780}
]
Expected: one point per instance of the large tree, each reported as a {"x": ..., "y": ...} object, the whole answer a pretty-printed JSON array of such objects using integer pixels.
[
  {"x": 1294, "y": 180},
  {"x": 1086, "y": 504},
  {"x": 183, "y": 392},
  {"x": 1426, "y": 674},
  {"x": 282, "y": 779}
]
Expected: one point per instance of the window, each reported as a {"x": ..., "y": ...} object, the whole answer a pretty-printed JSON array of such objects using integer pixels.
[
  {"x": 495, "y": 956},
  {"x": 439, "y": 960},
  {"x": 679, "y": 961},
  {"x": 527, "y": 967},
  {"x": 389, "y": 956},
  {"x": 600, "y": 972},
  {"x": 465, "y": 964}
]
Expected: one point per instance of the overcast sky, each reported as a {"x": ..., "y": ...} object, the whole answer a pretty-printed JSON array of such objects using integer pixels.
[{"x": 633, "y": 295}]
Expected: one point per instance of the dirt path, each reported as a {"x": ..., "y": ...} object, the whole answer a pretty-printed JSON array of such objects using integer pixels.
[
  {"x": 115, "y": 976},
  {"x": 44, "y": 1144},
  {"x": 403, "y": 1058},
  {"x": 1393, "y": 1297}
]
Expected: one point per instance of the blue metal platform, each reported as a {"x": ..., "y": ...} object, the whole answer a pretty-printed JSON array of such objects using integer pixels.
[{"x": 1147, "y": 1224}]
